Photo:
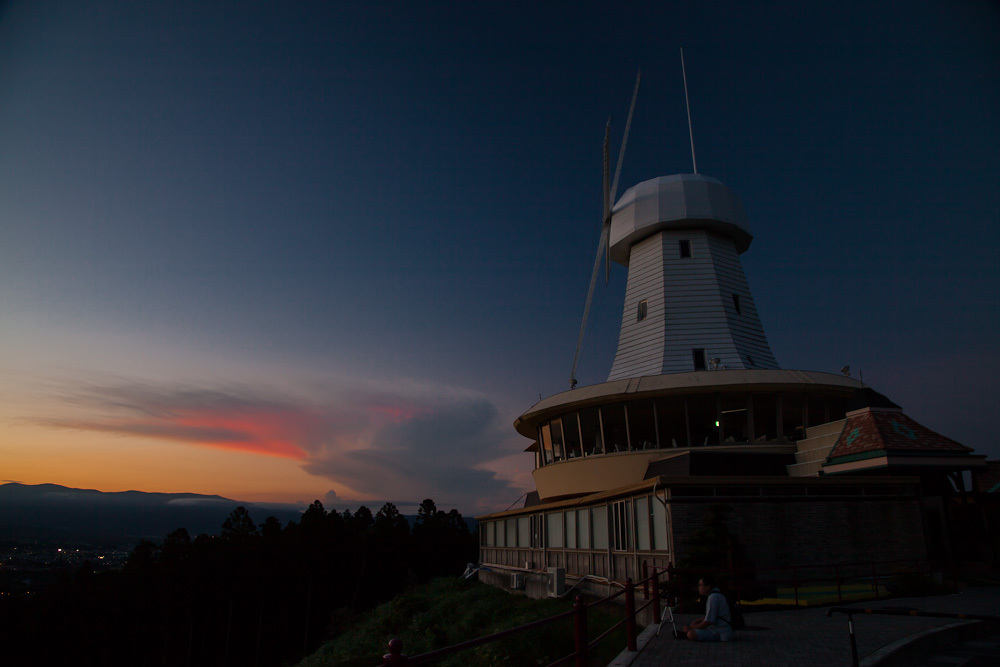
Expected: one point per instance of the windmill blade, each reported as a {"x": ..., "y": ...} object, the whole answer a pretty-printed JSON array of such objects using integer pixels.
[
  {"x": 610, "y": 196},
  {"x": 606, "y": 217},
  {"x": 628, "y": 125},
  {"x": 601, "y": 245},
  {"x": 604, "y": 182}
]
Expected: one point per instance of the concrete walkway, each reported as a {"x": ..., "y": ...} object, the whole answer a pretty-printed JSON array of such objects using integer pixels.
[{"x": 809, "y": 637}]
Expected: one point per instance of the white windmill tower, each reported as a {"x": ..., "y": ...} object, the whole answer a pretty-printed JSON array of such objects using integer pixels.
[{"x": 688, "y": 306}]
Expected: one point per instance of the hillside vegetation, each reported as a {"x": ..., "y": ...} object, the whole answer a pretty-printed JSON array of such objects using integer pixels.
[{"x": 449, "y": 611}]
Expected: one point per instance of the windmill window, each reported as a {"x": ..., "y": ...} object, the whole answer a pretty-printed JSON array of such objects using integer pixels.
[
  {"x": 640, "y": 314},
  {"x": 736, "y": 304},
  {"x": 699, "y": 358},
  {"x": 685, "y": 246}
]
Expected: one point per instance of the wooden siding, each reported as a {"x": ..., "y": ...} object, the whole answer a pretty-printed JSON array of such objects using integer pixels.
[{"x": 689, "y": 306}]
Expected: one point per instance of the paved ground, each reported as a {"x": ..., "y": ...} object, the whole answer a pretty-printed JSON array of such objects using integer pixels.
[
  {"x": 983, "y": 652},
  {"x": 809, "y": 637}
]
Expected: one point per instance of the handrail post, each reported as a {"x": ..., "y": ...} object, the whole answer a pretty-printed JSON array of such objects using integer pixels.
[
  {"x": 645, "y": 580},
  {"x": 854, "y": 641},
  {"x": 580, "y": 631},
  {"x": 875, "y": 578},
  {"x": 670, "y": 570},
  {"x": 395, "y": 656},
  {"x": 630, "y": 615},
  {"x": 656, "y": 595}
]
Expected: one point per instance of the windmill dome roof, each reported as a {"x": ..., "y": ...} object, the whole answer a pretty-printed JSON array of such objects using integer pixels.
[{"x": 681, "y": 201}]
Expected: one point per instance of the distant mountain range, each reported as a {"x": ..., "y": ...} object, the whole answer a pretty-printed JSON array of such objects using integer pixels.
[{"x": 53, "y": 512}]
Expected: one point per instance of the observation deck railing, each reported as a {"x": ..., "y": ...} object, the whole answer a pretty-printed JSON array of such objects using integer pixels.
[{"x": 653, "y": 591}]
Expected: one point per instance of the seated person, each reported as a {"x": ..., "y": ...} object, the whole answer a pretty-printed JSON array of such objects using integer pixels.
[{"x": 717, "y": 626}]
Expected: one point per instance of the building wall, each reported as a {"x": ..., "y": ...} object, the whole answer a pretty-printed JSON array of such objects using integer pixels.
[
  {"x": 689, "y": 305},
  {"x": 822, "y": 529},
  {"x": 811, "y": 533}
]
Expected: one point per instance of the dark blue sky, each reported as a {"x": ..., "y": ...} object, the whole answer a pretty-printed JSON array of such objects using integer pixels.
[{"x": 290, "y": 197}]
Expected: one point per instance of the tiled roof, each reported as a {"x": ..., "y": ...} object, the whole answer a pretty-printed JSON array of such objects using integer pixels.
[
  {"x": 988, "y": 479},
  {"x": 890, "y": 430}
]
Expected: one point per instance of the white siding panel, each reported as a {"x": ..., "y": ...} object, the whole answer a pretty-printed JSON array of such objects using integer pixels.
[{"x": 689, "y": 306}]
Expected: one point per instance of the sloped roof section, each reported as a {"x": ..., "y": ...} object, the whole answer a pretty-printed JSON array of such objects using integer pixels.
[
  {"x": 873, "y": 429},
  {"x": 988, "y": 479}
]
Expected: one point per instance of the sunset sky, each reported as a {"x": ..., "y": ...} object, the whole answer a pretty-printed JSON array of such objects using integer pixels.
[{"x": 281, "y": 251}]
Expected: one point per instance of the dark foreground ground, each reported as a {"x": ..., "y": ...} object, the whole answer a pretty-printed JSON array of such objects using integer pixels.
[{"x": 809, "y": 637}]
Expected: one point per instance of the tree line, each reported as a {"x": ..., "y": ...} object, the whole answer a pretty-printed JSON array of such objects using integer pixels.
[{"x": 253, "y": 595}]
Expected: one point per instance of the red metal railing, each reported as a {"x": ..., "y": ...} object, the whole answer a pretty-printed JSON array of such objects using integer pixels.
[
  {"x": 874, "y": 574},
  {"x": 650, "y": 584},
  {"x": 582, "y": 647}
]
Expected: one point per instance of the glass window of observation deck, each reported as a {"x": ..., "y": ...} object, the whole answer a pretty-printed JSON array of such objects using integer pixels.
[
  {"x": 765, "y": 417},
  {"x": 672, "y": 422},
  {"x": 555, "y": 427},
  {"x": 792, "y": 416},
  {"x": 615, "y": 428},
  {"x": 734, "y": 417},
  {"x": 545, "y": 441},
  {"x": 571, "y": 436},
  {"x": 642, "y": 424},
  {"x": 704, "y": 416},
  {"x": 590, "y": 431}
]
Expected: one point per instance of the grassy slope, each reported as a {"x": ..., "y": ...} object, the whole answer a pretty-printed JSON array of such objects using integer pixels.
[{"x": 450, "y": 611}]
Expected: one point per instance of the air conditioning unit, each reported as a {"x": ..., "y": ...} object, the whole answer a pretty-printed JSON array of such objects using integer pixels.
[
  {"x": 557, "y": 581},
  {"x": 517, "y": 581}
]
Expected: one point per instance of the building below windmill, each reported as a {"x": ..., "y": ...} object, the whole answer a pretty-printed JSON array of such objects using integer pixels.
[{"x": 816, "y": 470}]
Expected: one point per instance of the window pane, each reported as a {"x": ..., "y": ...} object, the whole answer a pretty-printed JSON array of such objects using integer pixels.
[
  {"x": 590, "y": 424},
  {"x": 546, "y": 442},
  {"x": 817, "y": 410},
  {"x": 523, "y": 531},
  {"x": 571, "y": 529},
  {"x": 791, "y": 416},
  {"x": 557, "y": 442},
  {"x": 765, "y": 417},
  {"x": 670, "y": 420},
  {"x": 511, "y": 532},
  {"x": 659, "y": 526},
  {"x": 571, "y": 436},
  {"x": 734, "y": 417},
  {"x": 614, "y": 427},
  {"x": 621, "y": 520},
  {"x": 642, "y": 523},
  {"x": 537, "y": 531},
  {"x": 501, "y": 542},
  {"x": 490, "y": 527},
  {"x": 641, "y": 429},
  {"x": 583, "y": 529},
  {"x": 703, "y": 414},
  {"x": 600, "y": 527},
  {"x": 553, "y": 525}
]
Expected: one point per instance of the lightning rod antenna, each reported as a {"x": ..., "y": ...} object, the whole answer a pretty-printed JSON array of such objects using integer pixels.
[{"x": 687, "y": 103}]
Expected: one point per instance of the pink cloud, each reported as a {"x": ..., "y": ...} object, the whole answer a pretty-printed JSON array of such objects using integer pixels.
[{"x": 435, "y": 445}]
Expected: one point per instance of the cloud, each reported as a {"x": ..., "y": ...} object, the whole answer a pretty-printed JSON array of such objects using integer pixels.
[
  {"x": 232, "y": 418},
  {"x": 397, "y": 444},
  {"x": 438, "y": 454}
]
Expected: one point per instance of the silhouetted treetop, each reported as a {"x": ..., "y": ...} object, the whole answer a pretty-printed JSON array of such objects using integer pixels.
[{"x": 238, "y": 526}]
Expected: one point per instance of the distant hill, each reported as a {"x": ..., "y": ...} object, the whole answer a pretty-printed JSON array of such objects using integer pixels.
[{"x": 53, "y": 512}]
